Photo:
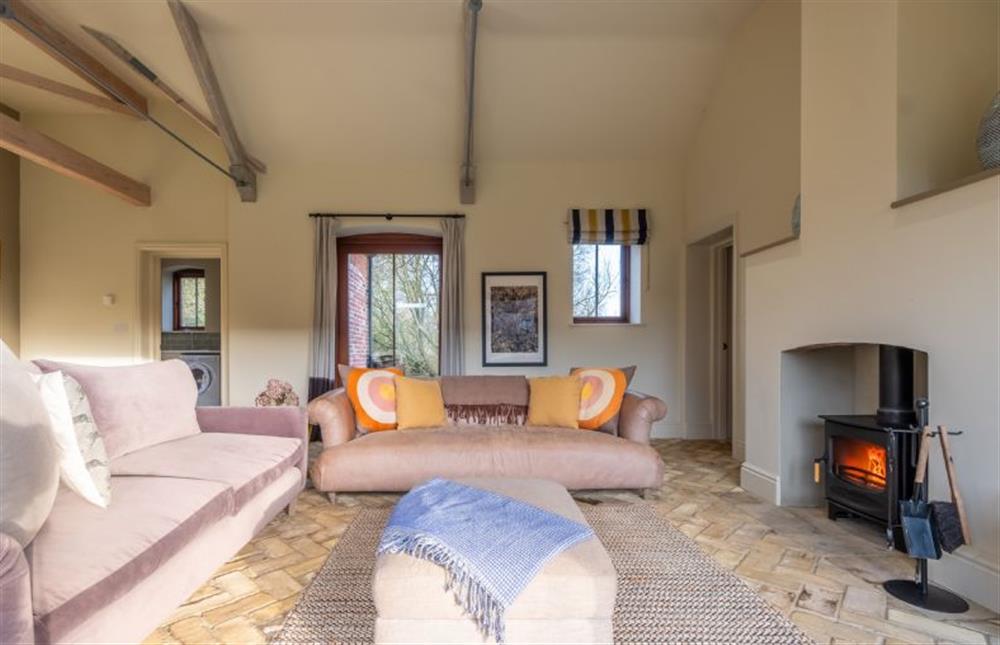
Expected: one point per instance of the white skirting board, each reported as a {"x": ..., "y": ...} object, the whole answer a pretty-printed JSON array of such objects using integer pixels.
[
  {"x": 969, "y": 576},
  {"x": 759, "y": 483}
]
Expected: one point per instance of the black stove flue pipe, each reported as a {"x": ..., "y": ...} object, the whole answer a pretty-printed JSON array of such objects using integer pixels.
[{"x": 895, "y": 387}]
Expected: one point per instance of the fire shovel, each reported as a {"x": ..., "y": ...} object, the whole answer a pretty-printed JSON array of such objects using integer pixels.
[{"x": 915, "y": 513}]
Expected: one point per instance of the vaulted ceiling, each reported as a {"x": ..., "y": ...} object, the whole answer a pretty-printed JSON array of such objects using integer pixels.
[{"x": 368, "y": 81}]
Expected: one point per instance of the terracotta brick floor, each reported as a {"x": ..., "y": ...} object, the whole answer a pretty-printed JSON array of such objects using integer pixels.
[{"x": 825, "y": 575}]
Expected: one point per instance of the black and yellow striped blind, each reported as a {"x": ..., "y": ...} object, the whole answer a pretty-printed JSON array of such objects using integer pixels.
[{"x": 608, "y": 226}]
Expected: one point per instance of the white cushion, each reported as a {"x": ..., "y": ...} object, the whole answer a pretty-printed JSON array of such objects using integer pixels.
[
  {"x": 29, "y": 468},
  {"x": 83, "y": 462}
]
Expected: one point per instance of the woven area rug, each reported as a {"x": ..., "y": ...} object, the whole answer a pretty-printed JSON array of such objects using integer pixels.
[{"x": 669, "y": 591}]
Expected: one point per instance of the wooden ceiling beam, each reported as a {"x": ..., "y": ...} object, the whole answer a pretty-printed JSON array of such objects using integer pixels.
[
  {"x": 22, "y": 19},
  {"x": 29, "y": 79},
  {"x": 118, "y": 51},
  {"x": 245, "y": 177},
  {"x": 46, "y": 151}
]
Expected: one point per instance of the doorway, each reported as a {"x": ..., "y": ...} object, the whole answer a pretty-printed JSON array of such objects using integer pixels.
[
  {"x": 722, "y": 339},
  {"x": 183, "y": 313},
  {"x": 709, "y": 349}
]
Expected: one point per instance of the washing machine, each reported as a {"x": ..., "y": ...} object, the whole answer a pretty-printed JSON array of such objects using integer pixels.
[{"x": 206, "y": 367}]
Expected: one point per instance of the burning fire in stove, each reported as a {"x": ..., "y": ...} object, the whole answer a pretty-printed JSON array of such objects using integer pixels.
[{"x": 860, "y": 463}]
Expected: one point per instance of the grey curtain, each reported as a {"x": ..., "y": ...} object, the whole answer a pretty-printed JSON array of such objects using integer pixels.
[
  {"x": 322, "y": 364},
  {"x": 452, "y": 296}
]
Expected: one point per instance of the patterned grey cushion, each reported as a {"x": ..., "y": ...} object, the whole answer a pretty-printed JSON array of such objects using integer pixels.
[{"x": 91, "y": 444}]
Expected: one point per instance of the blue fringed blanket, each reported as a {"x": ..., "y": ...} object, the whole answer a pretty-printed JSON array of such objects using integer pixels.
[{"x": 490, "y": 545}]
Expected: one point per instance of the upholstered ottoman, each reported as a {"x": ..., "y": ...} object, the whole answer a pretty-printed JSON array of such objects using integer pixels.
[{"x": 570, "y": 600}]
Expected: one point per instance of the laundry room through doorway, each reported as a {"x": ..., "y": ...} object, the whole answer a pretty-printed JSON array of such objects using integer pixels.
[{"x": 190, "y": 320}]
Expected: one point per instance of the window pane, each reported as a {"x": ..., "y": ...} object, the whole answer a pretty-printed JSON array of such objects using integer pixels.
[
  {"x": 382, "y": 314},
  {"x": 609, "y": 280},
  {"x": 392, "y": 313},
  {"x": 192, "y": 302},
  {"x": 584, "y": 280},
  {"x": 418, "y": 279}
]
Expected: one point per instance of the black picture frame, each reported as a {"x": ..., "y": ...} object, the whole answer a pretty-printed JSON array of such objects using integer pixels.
[{"x": 518, "y": 359}]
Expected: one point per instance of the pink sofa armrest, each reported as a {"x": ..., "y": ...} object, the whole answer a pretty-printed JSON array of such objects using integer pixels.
[
  {"x": 639, "y": 413},
  {"x": 16, "y": 622},
  {"x": 281, "y": 421},
  {"x": 333, "y": 413}
]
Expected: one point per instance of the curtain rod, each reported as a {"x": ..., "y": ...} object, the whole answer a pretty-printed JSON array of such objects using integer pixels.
[{"x": 391, "y": 216}]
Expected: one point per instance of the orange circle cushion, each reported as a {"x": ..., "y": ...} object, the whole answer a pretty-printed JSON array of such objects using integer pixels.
[
  {"x": 373, "y": 394},
  {"x": 601, "y": 395}
]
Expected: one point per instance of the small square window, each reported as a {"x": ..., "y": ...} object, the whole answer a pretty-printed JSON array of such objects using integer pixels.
[{"x": 601, "y": 283}]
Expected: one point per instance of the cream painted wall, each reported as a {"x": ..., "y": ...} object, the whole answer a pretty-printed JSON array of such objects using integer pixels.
[
  {"x": 743, "y": 168},
  {"x": 518, "y": 223},
  {"x": 924, "y": 276},
  {"x": 949, "y": 71},
  {"x": 10, "y": 247},
  {"x": 80, "y": 244},
  {"x": 749, "y": 138}
]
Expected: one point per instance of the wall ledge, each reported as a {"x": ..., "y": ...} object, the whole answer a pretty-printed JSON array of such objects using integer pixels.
[{"x": 950, "y": 186}]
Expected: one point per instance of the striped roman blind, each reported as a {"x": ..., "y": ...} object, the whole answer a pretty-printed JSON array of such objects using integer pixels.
[{"x": 608, "y": 226}]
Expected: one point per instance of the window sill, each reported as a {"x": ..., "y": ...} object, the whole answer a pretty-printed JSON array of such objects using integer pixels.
[
  {"x": 607, "y": 324},
  {"x": 950, "y": 186}
]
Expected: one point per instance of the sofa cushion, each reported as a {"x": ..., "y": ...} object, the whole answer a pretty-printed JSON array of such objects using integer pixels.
[
  {"x": 555, "y": 401},
  {"x": 485, "y": 400},
  {"x": 137, "y": 405},
  {"x": 245, "y": 463},
  {"x": 419, "y": 403},
  {"x": 29, "y": 460},
  {"x": 85, "y": 557},
  {"x": 397, "y": 461}
]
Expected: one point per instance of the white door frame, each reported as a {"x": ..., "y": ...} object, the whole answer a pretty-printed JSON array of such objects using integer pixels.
[
  {"x": 722, "y": 408},
  {"x": 149, "y": 298}
]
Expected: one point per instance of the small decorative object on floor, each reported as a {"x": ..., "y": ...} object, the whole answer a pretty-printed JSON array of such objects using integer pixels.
[
  {"x": 277, "y": 393},
  {"x": 988, "y": 142}
]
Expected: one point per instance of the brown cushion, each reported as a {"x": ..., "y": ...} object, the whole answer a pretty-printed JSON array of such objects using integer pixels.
[
  {"x": 245, "y": 463},
  {"x": 397, "y": 461},
  {"x": 85, "y": 557}
]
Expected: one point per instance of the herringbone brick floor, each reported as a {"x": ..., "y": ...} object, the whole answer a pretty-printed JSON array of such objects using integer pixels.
[{"x": 825, "y": 575}]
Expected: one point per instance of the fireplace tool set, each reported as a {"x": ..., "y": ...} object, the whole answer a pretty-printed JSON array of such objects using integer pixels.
[{"x": 929, "y": 527}]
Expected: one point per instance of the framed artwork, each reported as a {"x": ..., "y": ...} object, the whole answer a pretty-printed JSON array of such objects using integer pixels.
[{"x": 515, "y": 319}]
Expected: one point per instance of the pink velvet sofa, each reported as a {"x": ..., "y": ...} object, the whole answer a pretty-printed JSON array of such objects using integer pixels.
[
  {"x": 179, "y": 509},
  {"x": 485, "y": 437}
]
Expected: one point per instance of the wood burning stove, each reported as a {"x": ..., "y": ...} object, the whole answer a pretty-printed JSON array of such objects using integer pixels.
[
  {"x": 869, "y": 461},
  {"x": 867, "y": 469}
]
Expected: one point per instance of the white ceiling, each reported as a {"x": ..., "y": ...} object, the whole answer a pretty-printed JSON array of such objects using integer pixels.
[{"x": 372, "y": 80}]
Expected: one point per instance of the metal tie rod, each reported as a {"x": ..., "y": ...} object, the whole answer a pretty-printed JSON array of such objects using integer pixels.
[{"x": 7, "y": 12}]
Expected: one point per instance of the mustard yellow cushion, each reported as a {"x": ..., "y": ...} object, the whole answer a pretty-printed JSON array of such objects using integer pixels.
[
  {"x": 555, "y": 401},
  {"x": 418, "y": 403}
]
